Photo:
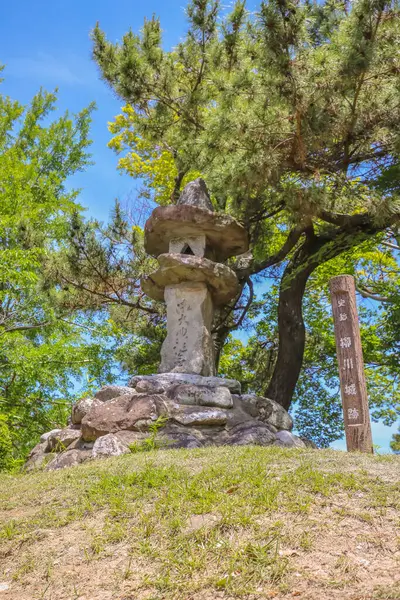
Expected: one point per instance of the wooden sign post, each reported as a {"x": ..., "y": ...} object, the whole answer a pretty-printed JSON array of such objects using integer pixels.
[{"x": 351, "y": 365}]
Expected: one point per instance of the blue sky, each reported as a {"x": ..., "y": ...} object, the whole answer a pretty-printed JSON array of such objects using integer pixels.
[{"x": 47, "y": 44}]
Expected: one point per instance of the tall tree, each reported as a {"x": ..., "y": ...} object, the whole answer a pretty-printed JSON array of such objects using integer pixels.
[
  {"x": 292, "y": 117},
  {"x": 44, "y": 343},
  {"x": 316, "y": 402}
]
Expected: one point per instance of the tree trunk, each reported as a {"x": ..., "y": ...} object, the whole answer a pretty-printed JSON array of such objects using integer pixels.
[
  {"x": 223, "y": 325},
  {"x": 291, "y": 335},
  {"x": 314, "y": 252},
  {"x": 220, "y": 338}
]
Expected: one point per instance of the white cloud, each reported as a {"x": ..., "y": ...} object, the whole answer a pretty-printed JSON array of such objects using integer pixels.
[{"x": 46, "y": 68}]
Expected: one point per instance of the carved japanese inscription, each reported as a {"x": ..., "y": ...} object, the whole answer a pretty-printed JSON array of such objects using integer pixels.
[
  {"x": 351, "y": 365},
  {"x": 188, "y": 347}
]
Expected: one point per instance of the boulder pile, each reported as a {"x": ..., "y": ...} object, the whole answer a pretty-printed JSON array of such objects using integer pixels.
[{"x": 174, "y": 410}]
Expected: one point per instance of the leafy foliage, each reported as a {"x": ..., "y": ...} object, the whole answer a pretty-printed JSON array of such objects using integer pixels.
[
  {"x": 44, "y": 342},
  {"x": 291, "y": 115},
  {"x": 6, "y": 459},
  {"x": 100, "y": 270},
  {"x": 395, "y": 443}
]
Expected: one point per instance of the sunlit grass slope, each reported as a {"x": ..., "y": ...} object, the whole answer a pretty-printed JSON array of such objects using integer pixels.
[{"x": 244, "y": 522}]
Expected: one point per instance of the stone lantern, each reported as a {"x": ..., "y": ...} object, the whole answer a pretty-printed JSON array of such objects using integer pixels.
[{"x": 190, "y": 242}]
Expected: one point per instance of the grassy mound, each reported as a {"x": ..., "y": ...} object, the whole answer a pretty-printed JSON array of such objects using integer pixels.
[{"x": 202, "y": 524}]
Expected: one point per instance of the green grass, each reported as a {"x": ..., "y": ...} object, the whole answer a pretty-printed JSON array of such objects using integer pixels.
[{"x": 259, "y": 506}]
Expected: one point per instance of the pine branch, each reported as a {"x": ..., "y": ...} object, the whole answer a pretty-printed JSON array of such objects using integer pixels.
[
  {"x": 257, "y": 267},
  {"x": 368, "y": 294}
]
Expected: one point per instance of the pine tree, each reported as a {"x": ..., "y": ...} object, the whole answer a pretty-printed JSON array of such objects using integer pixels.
[{"x": 292, "y": 117}]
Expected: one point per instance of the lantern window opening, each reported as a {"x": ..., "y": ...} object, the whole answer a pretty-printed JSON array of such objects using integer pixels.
[{"x": 187, "y": 250}]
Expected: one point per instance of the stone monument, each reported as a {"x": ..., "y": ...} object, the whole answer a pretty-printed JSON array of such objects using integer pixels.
[
  {"x": 189, "y": 240},
  {"x": 353, "y": 385},
  {"x": 191, "y": 243}
]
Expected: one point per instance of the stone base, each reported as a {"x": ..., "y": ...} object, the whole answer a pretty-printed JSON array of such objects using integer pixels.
[{"x": 191, "y": 412}]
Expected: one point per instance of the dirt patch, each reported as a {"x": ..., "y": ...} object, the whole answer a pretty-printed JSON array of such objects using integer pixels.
[{"x": 233, "y": 523}]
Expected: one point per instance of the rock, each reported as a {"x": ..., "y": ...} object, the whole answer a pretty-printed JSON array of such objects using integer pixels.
[
  {"x": 309, "y": 443},
  {"x": 174, "y": 435},
  {"x": 273, "y": 413},
  {"x": 131, "y": 412},
  {"x": 180, "y": 440},
  {"x": 288, "y": 440},
  {"x": 108, "y": 445},
  {"x": 4, "y": 586},
  {"x": 168, "y": 380},
  {"x": 191, "y": 415},
  {"x": 196, "y": 194},
  {"x": 70, "y": 458},
  {"x": 127, "y": 438},
  {"x": 267, "y": 410},
  {"x": 248, "y": 403},
  {"x": 39, "y": 448},
  {"x": 37, "y": 457},
  {"x": 175, "y": 269},
  {"x": 238, "y": 416},
  {"x": 188, "y": 347},
  {"x": 149, "y": 386},
  {"x": 80, "y": 444},
  {"x": 201, "y": 395},
  {"x": 222, "y": 231},
  {"x": 171, "y": 435},
  {"x": 45, "y": 436},
  {"x": 37, "y": 462},
  {"x": 62, "y": 439},
  {"x": 109, "y": 392},
  {"x": 250, "y": 432},
  {"x": 81, "y": 408}
]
